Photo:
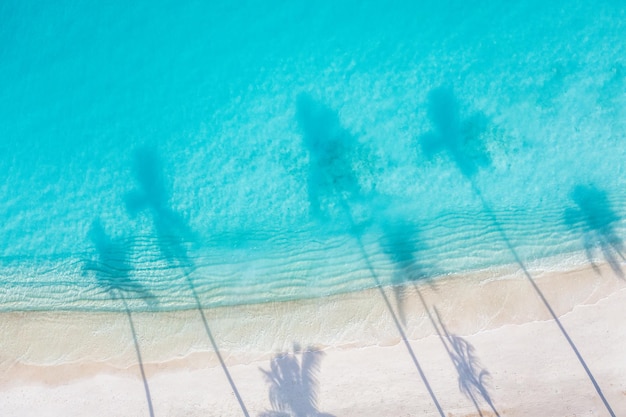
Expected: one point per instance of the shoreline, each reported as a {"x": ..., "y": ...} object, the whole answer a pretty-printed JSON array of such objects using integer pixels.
[{"x": 503, "y": 319}]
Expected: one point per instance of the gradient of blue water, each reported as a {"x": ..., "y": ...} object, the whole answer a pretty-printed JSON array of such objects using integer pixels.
[{"x": 144, "y": 145}]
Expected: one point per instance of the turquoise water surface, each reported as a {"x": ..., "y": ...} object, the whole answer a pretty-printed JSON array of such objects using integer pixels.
[{"x": 270, "y": 150}]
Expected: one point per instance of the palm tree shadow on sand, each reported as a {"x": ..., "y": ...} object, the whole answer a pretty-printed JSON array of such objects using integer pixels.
[
  {"x": 112, "y": 272},
  {"x": 293, "y": 383},
  {"x": 174, "y": 236},
  {"x": 333, "y": 189},
  {"x": 472, "y": 376},
  {"x": 597, "y": 219},
  {"x": 465, "y": 148},
  {"x": 399, "y": 242}
]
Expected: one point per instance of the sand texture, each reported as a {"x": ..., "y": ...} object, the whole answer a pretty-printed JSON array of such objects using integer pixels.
[{"x": 460, "y": 346}]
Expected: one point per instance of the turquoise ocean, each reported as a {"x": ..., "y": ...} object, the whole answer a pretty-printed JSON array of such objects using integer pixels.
[{"x": 261, "y": 151}]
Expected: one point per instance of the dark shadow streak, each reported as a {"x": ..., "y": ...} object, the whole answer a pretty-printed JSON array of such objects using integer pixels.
[
  {"x": 294, "y": 384},
  {"x": 112, "y": 273},
  {"x": 139, "y": 359},
  {"x": 399, "y": 326},
  {"x": 173, "y": 236},
  {"x": 469, "y": 154},
  {"x": 331, "y": 177},
  {"x": 546, "y": 304},
  {"x": 597, "y": 218}
]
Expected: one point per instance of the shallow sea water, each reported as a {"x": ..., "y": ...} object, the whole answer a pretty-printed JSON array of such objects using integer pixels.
[{"x": 276, "y": 150}]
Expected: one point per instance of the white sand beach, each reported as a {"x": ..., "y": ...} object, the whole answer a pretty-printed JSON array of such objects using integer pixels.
[{"x": 85, "y": 364}]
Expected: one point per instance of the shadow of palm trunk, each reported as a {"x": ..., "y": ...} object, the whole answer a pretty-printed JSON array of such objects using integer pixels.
[
  {"x": 177, "y": 257},
  {"x": 112, "y": 272},
  {"x": 461, "y": 140},
  {"x": 333, "y": 182},
  {"x": 173, "y": 235},
  {"x": 138, "y": 351},
  {"x": 541, "y": 296},
  {"x": 216, "y": 349},
  {"x": 400, "y": 245},
  {"x": 392, "y": 313}
]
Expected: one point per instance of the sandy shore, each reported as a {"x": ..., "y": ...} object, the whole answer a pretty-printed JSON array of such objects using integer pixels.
[{"x": 86, "y": 364}]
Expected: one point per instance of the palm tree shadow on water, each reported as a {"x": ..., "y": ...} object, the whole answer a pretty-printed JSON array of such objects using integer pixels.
[
  {"x": 597, "y": 220},
  {"x": 173, "y": 234},
  {"x": 463, "y": 145},
  {"x": 293, "y": 383},
  {"x": 333, "y": 187},
  {"x": 399, "y": 243},
  {"x": 112, "y": 273}
]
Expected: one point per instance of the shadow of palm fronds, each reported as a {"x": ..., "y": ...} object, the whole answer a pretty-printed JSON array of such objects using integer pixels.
[
  {"x": 469, "y": 154},
  {"x": 174, "y": 236},
  {"x": 335, "y": 192},
  {"x": 331, "y": 177},
  {"x": 473, "y": 377},
  {"x": 459, "y": 138},
  {"x": 401, "y": 243},
  {"x": 597, "y": 220},
  {"x": 294, "y": 386}
]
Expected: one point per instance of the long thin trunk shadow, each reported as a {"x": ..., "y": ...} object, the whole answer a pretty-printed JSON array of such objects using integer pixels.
[
  {"x": 172, "y": 232},
  {"x": 462, "y": 141},
  {"x": 139, "y": 359},
  {"x": 205, "y": 322},
  {"x": 544, "y": 300},
  {"x": 112, "y": 272},
  {"x": 332, "y": 176},
  {"x": 177, "y": 257},
  {"x": 393, "y": 314},
  {"x": 401, "y": 250},
  {"x": 396, "y": 321}
]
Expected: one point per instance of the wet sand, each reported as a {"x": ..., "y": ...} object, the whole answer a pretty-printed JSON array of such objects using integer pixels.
[{"x": 375, "y": 359}]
